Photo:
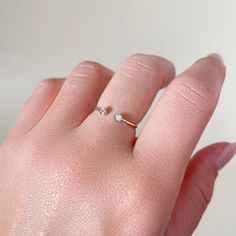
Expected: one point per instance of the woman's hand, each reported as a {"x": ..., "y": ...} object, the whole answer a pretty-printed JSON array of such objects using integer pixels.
[{"x": 66, "y": 169}]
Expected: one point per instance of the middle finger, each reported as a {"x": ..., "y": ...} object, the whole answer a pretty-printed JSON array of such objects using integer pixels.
[{"x": 134, "y": 86}]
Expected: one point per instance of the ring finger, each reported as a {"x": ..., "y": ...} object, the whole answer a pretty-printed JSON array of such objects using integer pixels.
[{"x": 79, "y": 95}]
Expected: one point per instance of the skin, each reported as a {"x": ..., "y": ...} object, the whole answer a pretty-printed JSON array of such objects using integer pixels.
[{"x": 67, "y": 170}]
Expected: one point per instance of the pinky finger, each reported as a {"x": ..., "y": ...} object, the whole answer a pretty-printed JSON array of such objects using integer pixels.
[
  {"x": 37, "y": 105},
  {"x": 197, "y": 188}
]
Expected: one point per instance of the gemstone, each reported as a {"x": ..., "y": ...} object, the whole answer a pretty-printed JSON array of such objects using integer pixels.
[
  {"x": 102, "y": 111},
  {"x": 118, "y": 117}
]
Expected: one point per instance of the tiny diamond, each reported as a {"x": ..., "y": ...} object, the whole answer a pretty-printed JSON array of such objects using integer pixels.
[
  {"x": 102, "y": 111},
  {"x": 118, "y": 117}
]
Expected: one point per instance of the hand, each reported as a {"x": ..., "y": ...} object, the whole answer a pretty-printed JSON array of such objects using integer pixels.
[{"x": 67, "y": 170}]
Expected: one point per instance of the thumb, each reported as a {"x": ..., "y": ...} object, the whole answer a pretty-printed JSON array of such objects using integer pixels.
[{"x": 197, "y": 187}]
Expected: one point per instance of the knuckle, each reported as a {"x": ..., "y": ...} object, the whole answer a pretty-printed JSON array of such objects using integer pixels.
[
  {"x": 138, "y": 57},
  {"x": 45, "y": 85},
  {"x": 138, "y": 68},
  {"x": 146, "y": 68},
  {"x": 90, "y": 64},
  {"x": 87, "y": 69},
  {"x": 46, "y": 82},
  {"x": 196, "y": 93},
  {"x": 145, "y": 63}
]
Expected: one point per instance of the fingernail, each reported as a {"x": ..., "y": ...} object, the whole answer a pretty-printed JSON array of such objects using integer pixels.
[
  {"x": 217, "y": 57},
  {"x": 227, "y": 154}
]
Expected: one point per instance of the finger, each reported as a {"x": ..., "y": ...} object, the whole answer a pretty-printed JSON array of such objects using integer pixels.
[
  {"x": 134, "y": 86},
  {"x": 36, "y": 106},
  {"x": 175, "y": 126},
  {"x": 197, "y": 187},
  {"x": 79, "y": 95}
]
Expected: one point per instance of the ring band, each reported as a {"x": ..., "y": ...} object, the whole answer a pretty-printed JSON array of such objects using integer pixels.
[{"x": 118, "y": 117}]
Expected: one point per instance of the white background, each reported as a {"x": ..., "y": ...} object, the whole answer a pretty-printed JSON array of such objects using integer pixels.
[{"x": 41, "y": 39}]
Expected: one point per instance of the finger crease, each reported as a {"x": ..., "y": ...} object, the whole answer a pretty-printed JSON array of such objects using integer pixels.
[
  {"x": 129, "y": 76},
  {"x": 144, "y": 66},
  {"x": 195, "y": 91}
]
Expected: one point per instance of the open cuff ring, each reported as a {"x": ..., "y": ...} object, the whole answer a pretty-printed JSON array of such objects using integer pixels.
[{"x": 118, "y": 117}]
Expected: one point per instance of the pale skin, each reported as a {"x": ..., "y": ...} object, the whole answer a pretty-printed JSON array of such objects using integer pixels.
[{"x": 67, "y": 170}]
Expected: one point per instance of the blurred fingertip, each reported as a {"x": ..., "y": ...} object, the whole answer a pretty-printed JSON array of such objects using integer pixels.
[
  {"x": 226, "y": 155},
  {"x": 217, "y": 57}
]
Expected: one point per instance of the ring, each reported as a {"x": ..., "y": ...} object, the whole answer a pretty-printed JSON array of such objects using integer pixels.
[
  {"x": 102, "y": 110},
  {"x": 117, "y": 116}
]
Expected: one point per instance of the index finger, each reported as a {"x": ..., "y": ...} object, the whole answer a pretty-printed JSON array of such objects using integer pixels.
[{"x": 177, "y": 123}]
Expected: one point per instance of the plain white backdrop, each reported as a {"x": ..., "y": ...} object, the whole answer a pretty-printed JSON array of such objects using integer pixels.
[{"x": 42, "y": 39}]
